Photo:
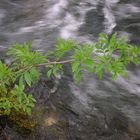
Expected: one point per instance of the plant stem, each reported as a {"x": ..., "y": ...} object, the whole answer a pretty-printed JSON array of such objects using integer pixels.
[
  {"x": 55, "y": 62},
  {"x": 43, "y": 64}
]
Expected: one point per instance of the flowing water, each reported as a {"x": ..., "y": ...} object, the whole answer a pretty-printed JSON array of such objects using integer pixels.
[{"x": 95, "y": 109}]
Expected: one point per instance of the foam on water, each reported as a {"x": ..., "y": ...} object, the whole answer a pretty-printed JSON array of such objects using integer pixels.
[{"x": 110, "y": 22}]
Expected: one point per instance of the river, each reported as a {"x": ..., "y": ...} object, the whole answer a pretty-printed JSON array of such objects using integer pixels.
[{"x": 95, "y": 109}]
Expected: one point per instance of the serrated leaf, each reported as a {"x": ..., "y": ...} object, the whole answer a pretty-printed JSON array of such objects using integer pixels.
[
  {"x": 21, "y": 81},
  {"x": 49, "y": 73},
  {"x": 34, "y": 74},
  {"x": 54, "y": 71},
  {"x": 99, "y": 70},
  {"x": 75, "y": 66},
  {"x": 88, "y": 62},
  {"x": 114, "y": 76},
  {"x": 27, "y": 78},
  {"x": 112, "y": 41},
  {"x": 77, "y": 77}
]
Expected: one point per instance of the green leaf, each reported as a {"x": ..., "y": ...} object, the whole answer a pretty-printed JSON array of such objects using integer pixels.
[
  {"x": 77, "y": 76},
  {"x": 34, "y": 74},
  {"x": 99, "y": 70},
  {"x": 75, "y": 66},
  {"x": 21, "y": 81},
  {"x": 89, "y": 62},
  {"x": 113, "y": 42},
  {"x": 62, "y": 48},
  {"x": 28, "y": 110},
  {"x": 49, "y": 73},
  {"x": 27, "y": 78}
]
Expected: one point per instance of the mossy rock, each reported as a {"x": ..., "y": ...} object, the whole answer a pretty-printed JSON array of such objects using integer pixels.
[{"x": 23, "y": 122}]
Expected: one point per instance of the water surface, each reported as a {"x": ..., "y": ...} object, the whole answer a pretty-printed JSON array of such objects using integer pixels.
[{"x": 95, "y": 109}]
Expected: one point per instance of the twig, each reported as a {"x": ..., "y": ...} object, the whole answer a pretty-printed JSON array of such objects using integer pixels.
[
  {"x": 55, "y": 62},
  {"x": 43, "y": 64}
]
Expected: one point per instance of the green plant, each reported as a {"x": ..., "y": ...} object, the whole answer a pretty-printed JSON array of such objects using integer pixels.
[{"x": 107, "y": 55}]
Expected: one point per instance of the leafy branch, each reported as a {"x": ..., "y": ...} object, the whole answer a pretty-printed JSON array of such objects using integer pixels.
[{"x": 107, "y": 55}]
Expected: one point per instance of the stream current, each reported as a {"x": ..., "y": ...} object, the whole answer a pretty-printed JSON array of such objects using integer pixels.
[{"x": 95, "y": 109}]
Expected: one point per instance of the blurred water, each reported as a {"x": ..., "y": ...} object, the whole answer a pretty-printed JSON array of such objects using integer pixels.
[{"x": 42, "y": 22}]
